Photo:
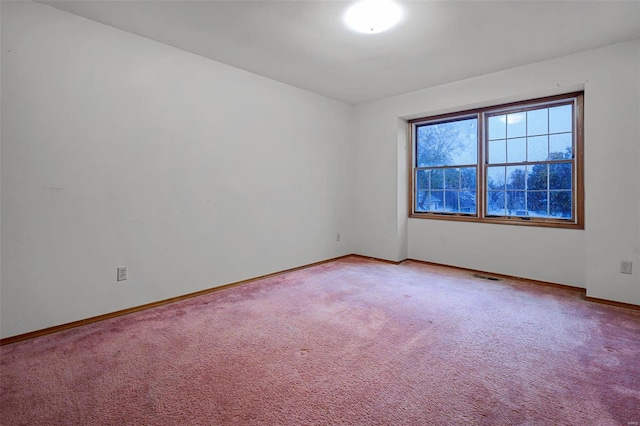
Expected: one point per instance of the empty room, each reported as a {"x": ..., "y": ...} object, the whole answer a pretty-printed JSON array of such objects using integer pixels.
[{"x": 319, "y": 212}]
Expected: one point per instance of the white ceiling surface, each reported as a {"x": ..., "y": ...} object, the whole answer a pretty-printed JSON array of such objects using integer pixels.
[{"x": 306, "y": 44}]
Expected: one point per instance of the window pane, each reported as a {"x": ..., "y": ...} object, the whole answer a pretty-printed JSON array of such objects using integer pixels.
[
  {"x": 560, "y": 176},
  {"x": 422, "y": 201},
  {"x": 516, "y": 204},
  {"x": 537, "y": 203},
  {"x": 516, "y": 177},
  {"x": 516, "y": 125},
  {"x": 452, "y": 178},
  {"x": 436, "y": 201},
  {"x": 447, "y": 144},
  {"x": 496, "y": 178},
  {"x": 560, "y": 146},
  {"x": 498, "y": 151},
  {"x": 496, "y": 203},
  {"x": 560, "y": 204},
  {"x": 516, "y": 150},
  {"x": 468, "y": 179},
  {"x": 468, "y": 201},
  {"x": 537, "y": 148},
  {"x": 497, "y": 127},
  {"x": 537, "y": 123},
  {"x": 452, "y": 199},
  {"x": 422, "y": 179},
  {"x": 437, "y": 179},
  {"x": 537, "y": 177},
  {"x": 560, "y": 119}
]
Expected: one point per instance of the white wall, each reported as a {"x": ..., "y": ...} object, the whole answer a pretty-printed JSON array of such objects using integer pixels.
[
  {"x": 590, "y": 258},
  {"x": 117, "y": 150}
]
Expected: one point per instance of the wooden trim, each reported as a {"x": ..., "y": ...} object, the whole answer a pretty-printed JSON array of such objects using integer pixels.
[
  {"x": 62, "y": 327},
  {"x": 528, "y": 105},
  {"x": 577, "y": 206},
  {"x": 499, "y": 109},
  {"x": 482, "y": 148},
  {"x": 515, "y": 220},
  {"x": 503, "y": 276},
  {"x": 410, "y": 170},
  {"x": 446, "y": 118},
  {"x": 377, "y": 259},
  {"x": 66, "y": 326},
  {"x": 579, "y": 194},
  {"x": 612, "y": 303}
]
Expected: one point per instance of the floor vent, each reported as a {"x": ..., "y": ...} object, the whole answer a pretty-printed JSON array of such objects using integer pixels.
[{"x": 486, "y": 277}]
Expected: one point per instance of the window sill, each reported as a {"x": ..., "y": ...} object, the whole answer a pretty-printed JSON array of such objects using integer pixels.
[{"x": 502, "y": 220}]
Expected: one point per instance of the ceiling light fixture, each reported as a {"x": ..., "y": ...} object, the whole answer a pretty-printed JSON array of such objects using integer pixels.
[{"x": 373, "y": 16}]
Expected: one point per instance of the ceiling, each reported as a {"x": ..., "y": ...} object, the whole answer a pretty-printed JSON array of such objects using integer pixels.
[{"x": 306, "y": 44}]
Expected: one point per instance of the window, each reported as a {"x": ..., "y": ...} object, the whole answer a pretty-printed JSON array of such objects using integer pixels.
[{"x": 519, "y": 164}]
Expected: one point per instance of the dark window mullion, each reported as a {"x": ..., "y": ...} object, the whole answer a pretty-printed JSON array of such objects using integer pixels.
[
  {"x": 457, "y": 166},
  {"x": 481, "y": 172},
  {"x": 524, "y": 163}
]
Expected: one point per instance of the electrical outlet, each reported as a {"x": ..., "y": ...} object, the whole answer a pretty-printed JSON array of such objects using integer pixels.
[
  {"x": 625, "y": 267},
  {"x": 122, "y": 273}
]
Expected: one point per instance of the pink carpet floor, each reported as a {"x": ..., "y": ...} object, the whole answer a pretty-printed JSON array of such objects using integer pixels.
[{"x": 352, "y": 342}]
